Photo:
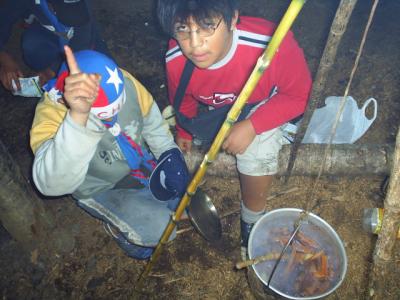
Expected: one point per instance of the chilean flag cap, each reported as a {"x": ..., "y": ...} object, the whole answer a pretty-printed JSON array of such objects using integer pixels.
[{"x": 111, "y": 95}]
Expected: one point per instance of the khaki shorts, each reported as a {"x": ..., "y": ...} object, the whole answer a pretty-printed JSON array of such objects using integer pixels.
[{"x": 261, "y": 157}]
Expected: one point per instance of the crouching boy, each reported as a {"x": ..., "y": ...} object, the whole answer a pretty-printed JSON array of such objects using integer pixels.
[{"x": 96, "y": 134}]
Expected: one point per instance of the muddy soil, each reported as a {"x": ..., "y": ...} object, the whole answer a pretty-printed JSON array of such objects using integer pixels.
[{"x": 90, "y": 265}]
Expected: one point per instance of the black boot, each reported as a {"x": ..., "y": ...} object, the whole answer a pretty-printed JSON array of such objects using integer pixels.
[{"x": 245, "y": 229}]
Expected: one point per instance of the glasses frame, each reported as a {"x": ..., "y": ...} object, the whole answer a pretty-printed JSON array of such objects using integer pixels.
[{"x": 197, "y": 31}]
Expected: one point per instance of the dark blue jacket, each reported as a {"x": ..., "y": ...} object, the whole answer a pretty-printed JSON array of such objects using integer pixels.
[{"x": 85, "y": 29}]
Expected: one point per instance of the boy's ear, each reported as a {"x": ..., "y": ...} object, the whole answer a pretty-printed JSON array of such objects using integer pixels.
[{"x": 235, "y": 19}]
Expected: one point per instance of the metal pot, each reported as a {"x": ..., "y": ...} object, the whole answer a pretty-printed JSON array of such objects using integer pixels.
[{"x": 289, "y": 279}]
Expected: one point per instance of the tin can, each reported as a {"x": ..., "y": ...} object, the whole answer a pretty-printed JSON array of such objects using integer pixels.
[{"x": 372, "y": 220}]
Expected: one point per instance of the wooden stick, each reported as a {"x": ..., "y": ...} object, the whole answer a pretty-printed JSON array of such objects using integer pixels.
[
  {"x": 387, "y": 237},
  {"x": 291, "y": 190},
  {"x": 343, "y": 159},
  {"x": 257, "y": 260},
  {"x": 183, "y": 230},
  {"x": 338, "y": 27},
  {"x": 268, "y": 256}
]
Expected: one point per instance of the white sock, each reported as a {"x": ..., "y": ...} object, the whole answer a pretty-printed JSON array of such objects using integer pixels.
[{"x": 250, "y": 216}]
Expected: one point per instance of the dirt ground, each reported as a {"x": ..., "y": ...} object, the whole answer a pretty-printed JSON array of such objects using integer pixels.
[{"x": 90, "y": 265}]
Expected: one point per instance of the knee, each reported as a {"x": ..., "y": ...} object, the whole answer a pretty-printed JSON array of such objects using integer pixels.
[{"x": 40, "y": 49}]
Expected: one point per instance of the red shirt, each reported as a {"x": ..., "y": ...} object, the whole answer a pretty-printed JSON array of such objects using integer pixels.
[{"x": 221, "y": 83}]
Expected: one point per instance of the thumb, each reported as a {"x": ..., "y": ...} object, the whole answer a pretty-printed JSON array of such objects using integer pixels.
[{"x": 71, "y": 61}]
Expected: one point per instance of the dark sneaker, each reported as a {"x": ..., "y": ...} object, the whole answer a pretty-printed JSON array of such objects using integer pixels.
[
  {"x": 245, "y": 229},
  {"x": 132, "y": 250}
]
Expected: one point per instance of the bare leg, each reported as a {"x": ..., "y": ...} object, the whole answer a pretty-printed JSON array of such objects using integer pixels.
[{"x": 254, "y": 190}]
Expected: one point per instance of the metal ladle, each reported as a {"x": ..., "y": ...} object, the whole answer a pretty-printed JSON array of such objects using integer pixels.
[{"x": 204, "y": 217}]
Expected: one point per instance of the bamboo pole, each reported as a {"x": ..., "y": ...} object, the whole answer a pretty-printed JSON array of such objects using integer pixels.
[
  {"x": 262, "y": 64},
  {"x": 338, "y": 27},
  {"x": 387, "y": 237}
]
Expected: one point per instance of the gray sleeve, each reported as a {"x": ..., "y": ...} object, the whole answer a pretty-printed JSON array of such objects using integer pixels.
[
  {"x": 156, "y": 132},
  {"x": 61, "y": 163}
]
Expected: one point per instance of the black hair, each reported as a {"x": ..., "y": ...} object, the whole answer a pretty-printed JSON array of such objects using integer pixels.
[{"x": 170, "y": 12}]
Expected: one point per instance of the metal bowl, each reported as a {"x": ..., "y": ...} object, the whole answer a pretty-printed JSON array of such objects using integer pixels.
[
  {"x": 289, "y": 280},
  {"x": 204, "y": 217}
]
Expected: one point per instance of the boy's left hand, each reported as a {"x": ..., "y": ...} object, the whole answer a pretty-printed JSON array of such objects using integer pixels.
[{"x": 239, "y": 137}]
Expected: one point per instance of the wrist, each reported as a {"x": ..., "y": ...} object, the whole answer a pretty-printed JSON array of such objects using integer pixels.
[{"x": 79, "y": 117}]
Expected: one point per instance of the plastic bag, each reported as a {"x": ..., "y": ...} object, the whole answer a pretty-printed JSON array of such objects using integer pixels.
[{"x": 353, "y": 122}]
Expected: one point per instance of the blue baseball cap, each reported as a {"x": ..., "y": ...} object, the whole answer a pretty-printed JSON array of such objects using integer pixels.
[{"x": 170, "y": 177}]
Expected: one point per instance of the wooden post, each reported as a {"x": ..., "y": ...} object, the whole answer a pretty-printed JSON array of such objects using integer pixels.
[
  {"x": 338, "y": 27},
  {"x": 387, "y": 237},
  {"x": 21, "y": 212}
]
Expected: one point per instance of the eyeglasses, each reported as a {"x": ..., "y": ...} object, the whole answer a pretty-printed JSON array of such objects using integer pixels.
[{"x": 182, "y": 31}]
